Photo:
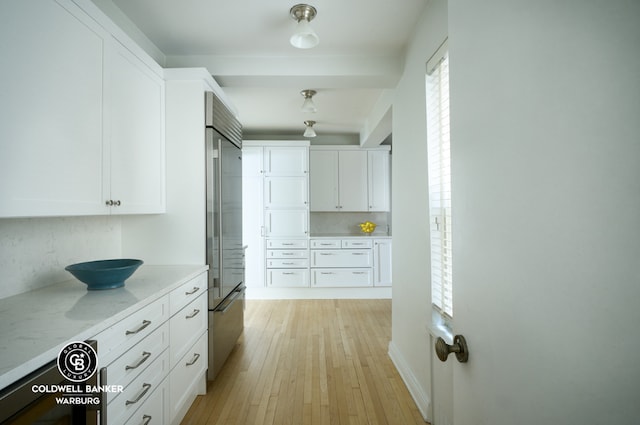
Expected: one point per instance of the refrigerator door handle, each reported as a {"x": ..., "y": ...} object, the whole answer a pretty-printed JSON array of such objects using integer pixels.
[{"x": 232, "y": 299}]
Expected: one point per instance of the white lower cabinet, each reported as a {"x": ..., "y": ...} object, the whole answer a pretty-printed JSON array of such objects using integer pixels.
[
  {"x": 287, "y": 263},
  {"x": 189, "y": 346},
  {"x": 138, "y": 392},
  {"x": 382, "y": 262},
  {"x": 155, "y": 410},
  {"x": 159, "y": 356},
  {"x": 350, "y": 262},
  {"x": 348, "y": 277},
  {"x": 187, "y": 379}
]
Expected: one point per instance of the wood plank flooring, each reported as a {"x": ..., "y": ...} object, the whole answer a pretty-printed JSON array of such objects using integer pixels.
[{"x": 307, "y": 362}]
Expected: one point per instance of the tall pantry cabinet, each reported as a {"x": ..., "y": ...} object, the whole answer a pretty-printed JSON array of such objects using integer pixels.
[{"x": 276, "y": 212}]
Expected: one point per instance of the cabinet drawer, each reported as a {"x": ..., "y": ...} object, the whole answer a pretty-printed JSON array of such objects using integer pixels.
[
  {"x": 290, "y": 254},
  {"x": 154, "y": 411},
  {"x": 287, "y": 243},
  {"x": 124, "y": 369},
  {"x": 288, "y": 263},
  {"x": 125, "y": 334},
  {"x": 186, "y": 326},
  {"x": 288, "y": 278},
  {"x": 357, "y": 243},
  {"x": 120, "y": 409},
  {"x": 185, "y": 378},
  {"x": 187, "y": 292},
  {"x": 326, "y": 243},
  {"x": 341, "y": 277},
  {"x": 341, "y": 258}
]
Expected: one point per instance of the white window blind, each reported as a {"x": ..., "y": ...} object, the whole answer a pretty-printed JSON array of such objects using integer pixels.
[{"x": 438, "y": 143}]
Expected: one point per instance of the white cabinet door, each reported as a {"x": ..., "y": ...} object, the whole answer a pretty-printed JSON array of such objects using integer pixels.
[
  {"x": 352, "y": 180},
  {"x": 252, "y": 161},
  {"x": 379, "y": 180},
  {"x": 253, "y": 216},
  {"x": 285, "y": 192},
  {"x": 286, "y": 223},
  {"x": 286, "y": 161},
  {"x": 323, "y": 180},
  {"x": 134, "y": 120},
  {"x": 382, "y": 262},
  {"x": 51, "y": 110}
]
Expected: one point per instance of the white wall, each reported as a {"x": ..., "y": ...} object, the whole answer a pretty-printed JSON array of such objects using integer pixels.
[
  {"x": 411, "y": 274},
  {"x": 35, "y": 251}
]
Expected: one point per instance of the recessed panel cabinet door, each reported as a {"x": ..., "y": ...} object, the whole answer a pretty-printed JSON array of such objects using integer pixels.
[
  {"x": 51, "y": 110},
  {"x": 285, "y": 192},
  {"x": 323, "y": 180},
  {"x": 134, "y": 122}
]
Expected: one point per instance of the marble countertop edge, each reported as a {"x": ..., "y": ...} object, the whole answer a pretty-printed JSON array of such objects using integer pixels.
[{"x": 22, "y": 351}]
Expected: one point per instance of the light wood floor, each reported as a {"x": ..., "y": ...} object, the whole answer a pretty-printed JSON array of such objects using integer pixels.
[{"x": 309, "y": 362}]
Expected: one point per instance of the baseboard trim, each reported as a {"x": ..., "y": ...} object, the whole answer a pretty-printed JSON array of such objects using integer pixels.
[
  {"x": 417, "y": 392},
  {"x": 253, "y": 293}
]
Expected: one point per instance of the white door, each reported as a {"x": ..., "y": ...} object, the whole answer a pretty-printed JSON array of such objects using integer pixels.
[{"x": 545, "y": 208}]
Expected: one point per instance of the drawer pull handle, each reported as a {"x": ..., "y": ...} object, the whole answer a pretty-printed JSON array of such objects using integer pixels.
[
  {"x": 192, "y": 315},
  {"x": 193, "y": 291},
  {"x": 196, "y": 356},
  {"x": 326, "y": 272},
  {"x": 358, "y": 253},
  {"x": 359, "y": 272},
  {"x": 146, "y": 419},
  {"x": 326, "y": 253},
  {"x": 142, "y": 394},
  {"x": 288, "y": 273},
  {"x": 287, "y": 244},
  {"x": 287, "y": 253},
  {"x": 288, "y": 263},
  {"x": 145, "y": 357},
  {"x": 145, "y": 323}
]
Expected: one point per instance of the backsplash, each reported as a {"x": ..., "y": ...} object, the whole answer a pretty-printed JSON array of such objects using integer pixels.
[
  {"x": 35, "y": 251},
  {"x": 346, "y": 223}
]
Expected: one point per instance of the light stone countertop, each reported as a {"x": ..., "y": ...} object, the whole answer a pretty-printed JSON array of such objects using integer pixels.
[
  {"x": 349, "y": 235},
  {"x": 34, "y": 326}
]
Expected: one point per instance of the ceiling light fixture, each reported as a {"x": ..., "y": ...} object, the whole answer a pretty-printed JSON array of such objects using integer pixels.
[
  {"x": 309, "y": 131},
  {"x": 304, "y": 37},
  {"x": 308, "y": 105}
]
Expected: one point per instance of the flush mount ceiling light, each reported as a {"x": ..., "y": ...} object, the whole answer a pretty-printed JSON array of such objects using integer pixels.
[
  {"x": 309, "y": 131},
  {"x": 304, "y": 37},
  {"x": 308, "y": 105}
]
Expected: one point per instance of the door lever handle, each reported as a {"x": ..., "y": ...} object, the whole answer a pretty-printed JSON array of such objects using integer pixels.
[{"x": 459, "y": 347}]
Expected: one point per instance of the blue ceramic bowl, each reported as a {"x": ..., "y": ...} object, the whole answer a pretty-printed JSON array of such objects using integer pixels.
[{"x": 104, "y": 274}]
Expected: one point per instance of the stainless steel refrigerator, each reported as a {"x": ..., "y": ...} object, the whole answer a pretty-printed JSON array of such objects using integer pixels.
[{"x": 225, "y": 253}]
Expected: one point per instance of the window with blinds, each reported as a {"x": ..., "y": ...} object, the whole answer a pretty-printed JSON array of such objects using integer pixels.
[{"x": 437, "y": 86}]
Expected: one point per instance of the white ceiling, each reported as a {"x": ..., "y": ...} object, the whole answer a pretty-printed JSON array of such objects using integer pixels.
[{"x": 244, "y": 44}]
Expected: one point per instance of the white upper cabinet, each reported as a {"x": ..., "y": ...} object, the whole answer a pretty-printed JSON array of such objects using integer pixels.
[
  {"x": 81, "y": 117},
  {"x": 350, "y": 179},
  {"x": 323, "y": 180},
  {"x": 134, "y": 121},
  {"x": 286, "y": 161},
  {"x": 51, "y": 110},
  {"x": 379, "y": 180}
]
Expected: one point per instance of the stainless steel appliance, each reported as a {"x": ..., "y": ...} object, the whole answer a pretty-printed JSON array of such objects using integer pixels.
[
  {"x": 225, "y": 253},
  {"x": 37, "y": 399}
]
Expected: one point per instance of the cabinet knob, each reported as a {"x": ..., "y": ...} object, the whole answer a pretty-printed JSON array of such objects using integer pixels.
[
  {"x": 117, "y": 203},
  {"x": 109, "y": 203}
]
